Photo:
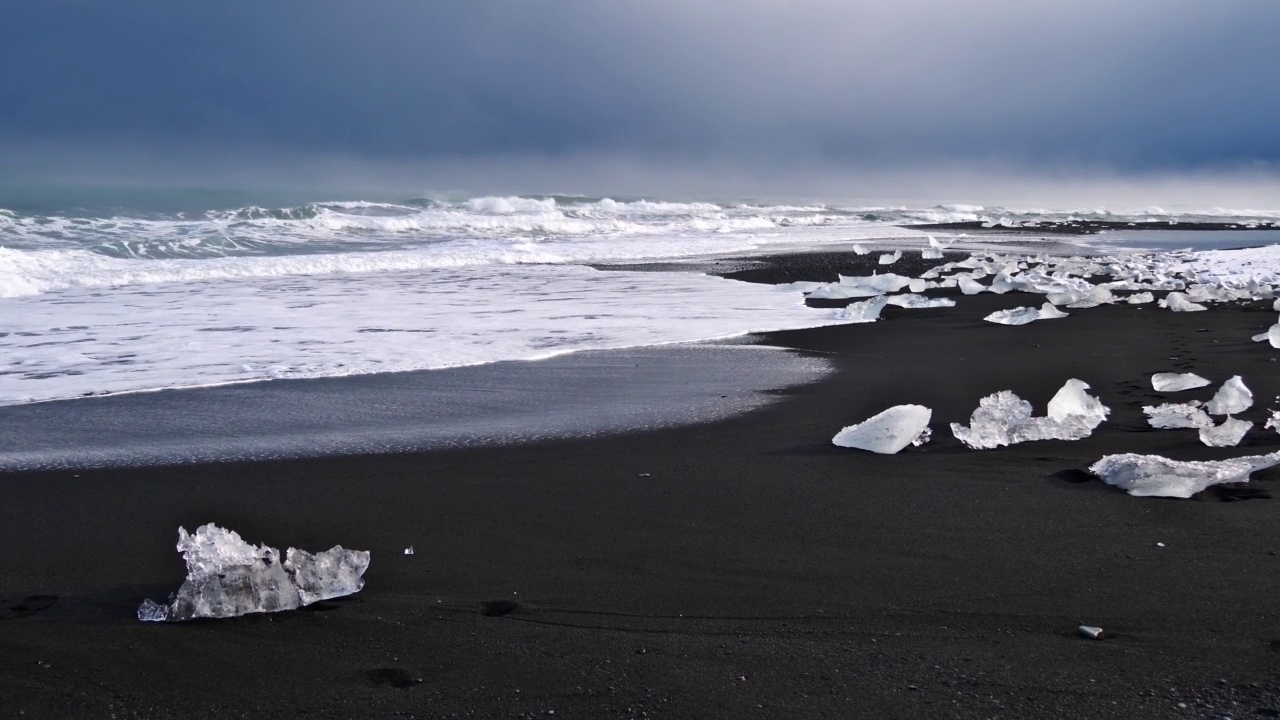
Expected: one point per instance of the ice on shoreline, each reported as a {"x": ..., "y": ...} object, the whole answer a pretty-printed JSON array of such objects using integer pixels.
[
  {"x": 1005, "y": 419},
  {"x": 888, "y": 432},
  {"x": 1233, "y": 397},
  {"x": 1177, "y": 382},
  {"x": 228, "y": 577},
  {"x": 1173, "y": 416},
  {"x": 1227, "y": 434},
  {"x": 1157, "y": 476}
]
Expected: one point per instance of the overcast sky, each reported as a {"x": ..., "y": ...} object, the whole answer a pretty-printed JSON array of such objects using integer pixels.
[{"x": 1125, "y": 86}]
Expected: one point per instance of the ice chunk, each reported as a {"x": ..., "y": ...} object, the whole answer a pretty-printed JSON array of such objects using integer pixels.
[
  {"x": 866, "y": 311},
  {"x": 1072, "y": 404},
  {"x": 1228, "y": 434},
  {"x": 1176, "y": 382},
  {"x": 1273, "y": 335},
  {"x": 1172, "y": 416},
  {"x": 227, "y": 577},
  {"x": 1095, "y": 297},
  {"x": 1140, "y": 298},
  {"x": 888, "y": 282},
  {"x": 1273, "y": 423},
  {"x": 1005, "y": 418},
  {"x": 1276, "y": 305},
  {"x": 1050, "y": 312},
  {"x": 1153, "y": 475},
  {"x": 890, "y": 258},
  {"x": 859, "y": 249},
  {"x": 919, "y": 301},
  {"x": 1178, "y": 302},
  {"x": 888, "y": 432},
  {"x": 969, "y": 286},
  {"x": 930, "y": 254},
  {"x": 841, "y": 291},
  {"x": 1232, "y": 397},
  {"x": 1014, "y": 316},
  {"x": 918, "y": 285}
]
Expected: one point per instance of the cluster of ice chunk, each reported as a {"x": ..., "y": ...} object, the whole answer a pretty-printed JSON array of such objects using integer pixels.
[
  {"x": 889, "y": 431},
  {"x": 1154, "y": 475},
  {"x": 227, "y": 577},
  {"x": 1233, "y": 397},
  {"x": 1006, "y": 419}
]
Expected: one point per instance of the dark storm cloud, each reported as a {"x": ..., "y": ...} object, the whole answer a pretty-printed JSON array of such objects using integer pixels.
[{"x": 1140, "y": 85}]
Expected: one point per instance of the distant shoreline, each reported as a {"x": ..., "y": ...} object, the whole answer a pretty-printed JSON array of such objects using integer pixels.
[{"x": 1087, "y": 227}]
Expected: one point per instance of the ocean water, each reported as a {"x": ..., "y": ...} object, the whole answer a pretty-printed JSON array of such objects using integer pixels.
[{"x": 105, "y": 292}]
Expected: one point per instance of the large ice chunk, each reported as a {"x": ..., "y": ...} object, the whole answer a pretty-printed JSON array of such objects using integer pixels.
[
  {"x": 1171, "y": 416},
  {"x": 969, "y": 286},
  {"x": 1232, "y": 397},
  {"x": 227, "y": 577},
  {"x": 1228, "y": 434},
  {"x": 862, "y": 312},
  {"x": 1176, "y": 382},
  {"x": 1005, "y": 419},
  {"x": 887, "y": 432},
  {"x": 1179, "y": 302},
  {"x": 1153, "y": 475},
  {"x": 1014, "y": 316},
  {"x": 1049, "y": 311}
]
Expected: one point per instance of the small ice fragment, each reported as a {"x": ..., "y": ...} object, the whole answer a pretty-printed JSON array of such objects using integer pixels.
[
  {"x": 918, "y": 285},
  {"x": 1273, "y": 335},
  {"x": 859, "y": 249},
  {"x": 1232, "y": 397},
  {"x": 1014, "y": 316},
  {"x": 1261, "y": 337},
  {"x": 1156, "y": 476},
  {"x": 227, "y": 576},
  {"x": 887, "y": 432},
  {"x": 408, "y": 550},
  {"x": 1276, "y": 305},
  {"x": 1091, "y": 632},
  {"x": 1072, "y": 403},
  {"x": 1140, "y": 298},
  {"x": 1176, "y": 382},
  {"x": 890, "y": 258},
  {"x": 866, "y": 311},
  {"x": 1228, "y": 434},
  {"x": 1178, "y": 302},
  {"x": 969, "y": 286},
  {"x": 1172, "y": 416},
  {"x": 1274, "y": 422},
  {"x": 925, "y": 436},
  {"x": 930, "y": 254}
]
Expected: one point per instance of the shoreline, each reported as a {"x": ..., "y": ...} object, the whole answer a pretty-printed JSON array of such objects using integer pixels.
[{"x": 739, "y": 568}]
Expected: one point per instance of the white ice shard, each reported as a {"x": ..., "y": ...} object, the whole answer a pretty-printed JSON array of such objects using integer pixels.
[
  {"x": 1178, "y": 302},
  {"x": 227, "y": 577},
  {"x": 1005, "y": 418},
  {"x": 930, "y": 254},
  {"x": 860, "y": 249},
  {"x": 1228, "y": 434},
  {"x": 842, "y": 291},
  {"x": 890, "y": 258},
  {"x": 1176, "y": 382},
  {"x": 1049, "y": 311},
  {"x": 1153, "y": 475},
  {"x": 866, "y": 311},
  {"x": 888, "y": 282},
  {"x": 1232, "y": 397},
  {"x": 1273, "y": 423},
  {"x": 889, "y": 431},
  {"x": 1014, "y": 316},
  {"x": 969, "y": 286},
  {"x": 1095, "y": 297},
  {"x": 912, "y": 301},
  {"x": 1172, "y": 416},
  {"x": 1140, "y": 298},
  {"x": 918, "y": 285}
]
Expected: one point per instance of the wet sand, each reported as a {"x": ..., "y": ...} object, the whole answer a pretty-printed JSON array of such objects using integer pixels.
[{"x": 740, "y": 568}]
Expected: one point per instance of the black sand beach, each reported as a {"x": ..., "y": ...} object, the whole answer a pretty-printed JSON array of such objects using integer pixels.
[{"x": 741, "y": 568}]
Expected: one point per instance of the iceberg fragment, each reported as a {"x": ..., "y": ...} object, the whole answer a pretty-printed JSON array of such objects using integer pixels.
[
  {"x": 1140, "y": 298},
  {"x": 969, "y": 286},
  {"x": 1273, "y": 423},
  {"x": 1231, "y": 398},
  {"x": 1049, "y": 311},
  {"x": 913, "y": 301},
  {"x": 866, "y": 311},
  {"x": 1171, "y": 416},
  {"x": 930, "y": 254},
  {"x": 1176, "y": 382},
  {"x": 860, "y": 249},
  {"x": 1178, "y": 302},
  {"x": 1156, "y": 476},
  {"x": 890, "y": 258},
  {"x": 1005, "y": 419},
  {"x": 889, "y": 431},
  {"x": 1014, "y": 316},
  {"x": 227, "y": 577},
  {"x": 1228, "y": 434}
]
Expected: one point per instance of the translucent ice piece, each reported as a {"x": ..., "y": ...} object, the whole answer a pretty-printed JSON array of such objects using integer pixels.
[
  {"x": 1049, "y": 311},
  {"x": 888, "y": 432},
  {"x": 888, "y": 282},
  {"x": 1095, "y": 297},
  {"x": 1153, "y": 475},
  {"x": 1005, "y": 418},
  {"x": 1232, "y": 397},
  {"x": 1176, "y": 382},
  {"x": 1273, "y": 423},
  {"x": 930, "y": 254},
  {"x": 841, "y": 291},
  {"x": 1140, "y": 298},
  {"x": 227, "y": 577},
  {"x": 969, "y": 286},
  {"x": 890, "y": 258},
  {"x": 1273, "y": 335},
  {"x": 913, "y": 301},
  {"x": 859, "y": 249},
  {"x": 1172, "y": 416},
  {"x": 1228, "y": 434},
  {"x": 1014, "y": 316},
  {"x": 1179, "y": 302},
  {"x": 866, "y": 311}
]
